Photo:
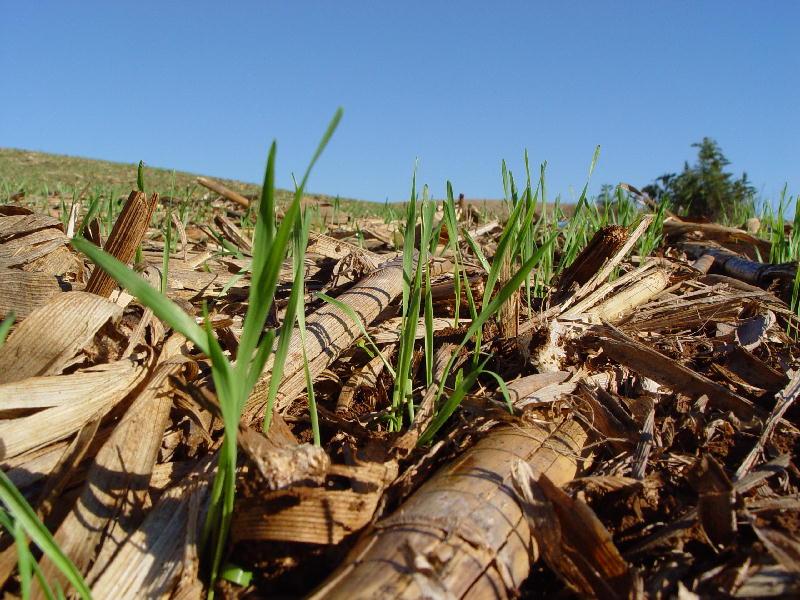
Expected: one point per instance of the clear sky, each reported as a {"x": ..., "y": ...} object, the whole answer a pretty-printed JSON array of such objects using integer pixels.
[{"x": 205, "y": 86}]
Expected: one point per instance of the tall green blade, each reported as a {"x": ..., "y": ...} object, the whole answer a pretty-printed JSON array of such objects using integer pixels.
[
  {"x": 161, "y": 306},
  {"x": 5, "y": 326},
  {"x": 36, "y": 531}
]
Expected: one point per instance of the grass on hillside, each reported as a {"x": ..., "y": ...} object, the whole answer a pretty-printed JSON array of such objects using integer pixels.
[{"x": 40, "y": 174}]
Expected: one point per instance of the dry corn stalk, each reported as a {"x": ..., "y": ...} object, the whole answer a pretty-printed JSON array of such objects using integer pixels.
[
  {"x": 366, "y": 377},
  {"x": 329, "y": 331},
  {"x": 609, "y": 265},
  {"x": 593, "y": 298},
  {"x": 737, "y": 239},
  {"x": 462, "y": 534},
  {"x": 639, "y": 292},
  {"x": 688, "y": 312},
  {"x": 605, "y": 243},
  {"x": 33, "y": 243},
  {"x": 735, "y": 265},
  {"x": 716, "y": 505},
  {"x": 609, "y": 249},
  {"x": 784, "y": 400},
  {"x": 125, "y": 237},
  {"x": 151, "y": 560},
  {"x": 232, "y": 233},
  {"x": 326, "y": 245},
  {"x": 216, "y": 186}
]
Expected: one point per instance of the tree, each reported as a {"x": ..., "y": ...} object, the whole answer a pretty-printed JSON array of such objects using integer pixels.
[{"x": 706, "y": 189}]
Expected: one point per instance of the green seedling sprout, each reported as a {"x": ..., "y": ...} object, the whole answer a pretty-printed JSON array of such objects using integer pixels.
[
  {"x": 233, "y": 383},
  {"x": 5, "y": 326},
  {"x": 26, "y": 523},
  {"x": 487, "y": 310}
]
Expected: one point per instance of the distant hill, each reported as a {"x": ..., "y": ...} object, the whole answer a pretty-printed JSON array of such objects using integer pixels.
[
  {"x": 36, "y": 169},
  {"x": 33, "y": 172}
]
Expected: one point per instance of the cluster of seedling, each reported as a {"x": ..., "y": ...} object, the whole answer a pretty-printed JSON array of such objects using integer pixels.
[{"x": 784, "y": 247}]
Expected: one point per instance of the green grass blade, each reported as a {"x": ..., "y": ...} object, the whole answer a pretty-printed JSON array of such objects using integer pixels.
[
  {"x": 301, "y": 242},
  {"x": 409, "y": 238},
  {"x": 272, "y": 251},
  {"x": 259, "y": 297},
  {"x": 476, "y": 250},
  {"x": 428, "y": 315},
  {"x": 428, "y": 244},
  {"x": 5, "y": 326},
  {"x": 262, "y": 288},
  {"x": 24, "y": 560},
  {"x": 357, "y": 320},
  {"x": 161, "y": 306},
  {"x": 236, "y": 575},
  {"x": 293, "y": 308},
  {"x": 406, "y": 352},
  {"x": 503, "y": 389},
  {"x": 266, "y": 207},
  {"x": 511, "y": 286},
  {"x": 260, "y": 359},
  {"x": 22, "y": 512},
  {"x": 235, "y": 278},
  {"x": 487, "y": 311},
  {"x": 282, "y": 349},
  {"x": 140, "y": 176},
  {"x": 502, "y": 247},
  {"x": 312, "y": 403},
  {"x": 451, "y": 222},
  {"x": 451, "y": 404},
  {"x": 26, "y": 565},
  {"x": 91, "y": 212},
  {"x": 166, "y": 252},
  {"x": 473, "y": 306},
  {"x": 326, "y": 137}
]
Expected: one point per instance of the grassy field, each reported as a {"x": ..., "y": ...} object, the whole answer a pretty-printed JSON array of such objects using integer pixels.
[
  {"x": 32, "y": 172},
  {"x": 40, "y": 173}
]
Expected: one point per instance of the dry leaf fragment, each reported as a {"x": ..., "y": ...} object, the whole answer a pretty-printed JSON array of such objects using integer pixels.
[
  {"x": 44, "y": 342},
  {"x": 589, "y": 546},
  {"x": 716, "y": 506}
]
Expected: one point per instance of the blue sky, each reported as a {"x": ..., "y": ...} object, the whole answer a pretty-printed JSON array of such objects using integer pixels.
[{"x": 205, "y": 88}]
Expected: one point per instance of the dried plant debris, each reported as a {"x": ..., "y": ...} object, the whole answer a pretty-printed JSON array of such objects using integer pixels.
[{"x": 617, "y": 421}]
